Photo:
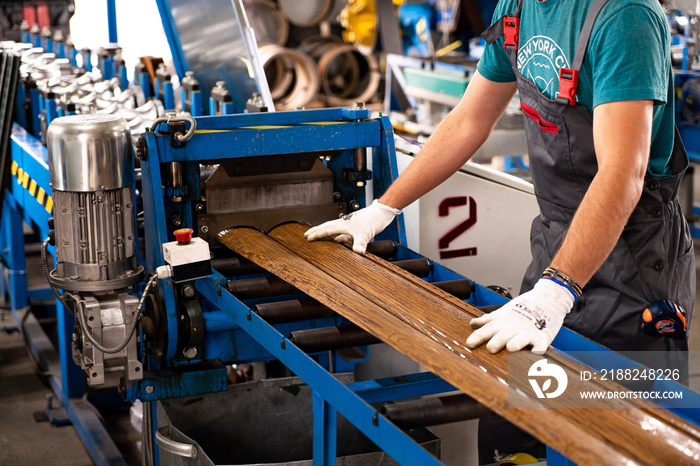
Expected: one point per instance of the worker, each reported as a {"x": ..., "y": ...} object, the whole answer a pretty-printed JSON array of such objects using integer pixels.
[{"x": 595, "y": 84}]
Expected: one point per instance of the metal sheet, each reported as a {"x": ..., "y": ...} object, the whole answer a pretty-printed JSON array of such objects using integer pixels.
[{"x": 213, "y": 39}]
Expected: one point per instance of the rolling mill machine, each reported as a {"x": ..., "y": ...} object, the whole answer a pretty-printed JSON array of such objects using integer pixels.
[
  {"x": 179, "y": 254},
  {"x": 247, "y": 287}
]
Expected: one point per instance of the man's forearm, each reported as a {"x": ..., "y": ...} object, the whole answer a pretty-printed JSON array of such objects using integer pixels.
[
  {"x": 597, "y": 225},
  {"x": 622, "y": 136}
]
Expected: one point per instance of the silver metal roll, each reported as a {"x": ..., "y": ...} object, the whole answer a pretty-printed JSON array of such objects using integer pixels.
[{"x": 89, "y": 152}]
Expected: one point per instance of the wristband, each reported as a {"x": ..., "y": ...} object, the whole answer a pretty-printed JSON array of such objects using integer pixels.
[{"x": 563, "y": 278}]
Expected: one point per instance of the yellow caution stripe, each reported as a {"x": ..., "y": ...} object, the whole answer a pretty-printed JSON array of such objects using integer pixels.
[{"x": 36, "y": 191}]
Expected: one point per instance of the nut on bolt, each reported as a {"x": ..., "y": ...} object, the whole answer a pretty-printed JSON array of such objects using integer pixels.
[
  {"x": 204, "y": 229},
  {"x": 188, "y": 291}
]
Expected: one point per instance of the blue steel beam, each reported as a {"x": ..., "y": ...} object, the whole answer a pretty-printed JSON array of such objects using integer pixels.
[
  {"x": 382, "y": 432},
  {"x": 112, "y": 21},
  {"x": 173, "y": 38},
  {"x": 271, "y": 140}
]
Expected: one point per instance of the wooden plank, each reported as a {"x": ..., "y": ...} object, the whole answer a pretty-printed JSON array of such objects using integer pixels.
[{"x": 430, "y": 327}]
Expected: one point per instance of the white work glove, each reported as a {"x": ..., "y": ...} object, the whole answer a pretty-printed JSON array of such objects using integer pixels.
[
  {"x": 533, "y": 318},
  {"x": 360, "y": 226}
]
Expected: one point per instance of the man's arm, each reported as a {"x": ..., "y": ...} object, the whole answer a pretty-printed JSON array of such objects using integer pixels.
[
  {"x": 455, "y": 140},
  {"x": 622, "y": 137}
]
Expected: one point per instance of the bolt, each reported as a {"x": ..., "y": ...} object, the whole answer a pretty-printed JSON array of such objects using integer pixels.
[
  {"x": 199, "y": 207},
  {"x": 188, "y": 291},
  {"x": 204, "y": 229},
  {"x": 190, "y": 352},
  {"x": 354, "y": 205},
  {"x": 150, "y": 389},
  {"x": 360, "y": 184},
  {"x": 358, "y": 105},
  {"x": 336, "y": 195},
  {"x": 176, "y": 220}
]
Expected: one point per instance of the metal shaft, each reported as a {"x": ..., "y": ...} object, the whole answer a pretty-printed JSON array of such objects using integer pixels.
[
  {"x": 235, "y": 266},
  {"x": 332, "y": 338},
  {"x": 293, "y": 310},
  {"x": 260, "y": 287},
  {"x": 459, "y": 288},
  {"x": 434, "y": 411},
  {"x": 385, "y": 248}
]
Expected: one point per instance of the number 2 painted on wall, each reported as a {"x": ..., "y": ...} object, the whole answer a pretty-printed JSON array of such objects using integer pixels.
[{"x": 444, "y": 242}]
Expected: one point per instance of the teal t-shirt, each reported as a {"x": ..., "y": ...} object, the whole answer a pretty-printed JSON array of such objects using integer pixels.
[{"x": 628, "y": 58}]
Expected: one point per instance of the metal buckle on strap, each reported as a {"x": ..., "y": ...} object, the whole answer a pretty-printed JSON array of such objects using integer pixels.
[
  {"x": 511, "y": 31},
  {"x": 568, "y": 82}
]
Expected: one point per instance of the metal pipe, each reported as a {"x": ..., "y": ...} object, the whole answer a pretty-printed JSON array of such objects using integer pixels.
[
  {"x": 459, "y": 288},
  {"x": 384, "y": 248},
  {"x": 360, "y": 156},
  {"x": 260, "y": 287},
  {"x": 293, "y": 310},
  {"x": 235, "y": 266},
  {"x": 434, "y": 411},
  {"x": 175, "y": 170},
  {"x": 418, "y": 267},
  {"x": 332, "y": 338}
]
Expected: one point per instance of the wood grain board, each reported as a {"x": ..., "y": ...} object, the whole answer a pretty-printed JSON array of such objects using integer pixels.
[{"x": 431, "y": 326}]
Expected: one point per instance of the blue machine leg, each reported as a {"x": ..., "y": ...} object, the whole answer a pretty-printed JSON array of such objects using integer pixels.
[
  {"x": 324, "y": 431},
  {"x": 71, "y": 374},
  {"x": 14, "y": 236}
]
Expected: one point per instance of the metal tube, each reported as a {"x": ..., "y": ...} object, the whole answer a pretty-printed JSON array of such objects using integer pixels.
[
  {"x": 434, "y": 411},
  {"x": 360, "y": 156},
  {"x": 459, "y": 288},
  {"x": 418, "y": 267},
  {"x": 332, "y": 338},
  {"x": 260, "y": 287},
  {"x": 385, "y": 248},
  {"x": 293, "y": 311},
  {"x": 235, "y": 266},
  {"x": 175, "y": 171}
]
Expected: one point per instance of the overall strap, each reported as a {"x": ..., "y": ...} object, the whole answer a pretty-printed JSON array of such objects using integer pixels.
[
  {"x": 568, "y": 77},
  {"x": 496, "y": 29}
]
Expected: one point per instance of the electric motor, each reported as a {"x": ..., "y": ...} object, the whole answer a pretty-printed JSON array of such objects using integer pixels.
[{"x": 91, "y": 174}]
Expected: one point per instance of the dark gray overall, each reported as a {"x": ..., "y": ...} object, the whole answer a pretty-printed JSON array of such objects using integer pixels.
[{"x": 652, "y": 260}]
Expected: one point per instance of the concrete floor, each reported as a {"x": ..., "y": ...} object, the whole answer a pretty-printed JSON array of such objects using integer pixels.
[{"x": 26, "y": 441}]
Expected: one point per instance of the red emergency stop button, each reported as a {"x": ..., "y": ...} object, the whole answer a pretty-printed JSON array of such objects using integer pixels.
[{"x": 183, "y": 235}]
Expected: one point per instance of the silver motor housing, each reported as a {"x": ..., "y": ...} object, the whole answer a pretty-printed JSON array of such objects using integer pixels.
[{"x": 92, "y": 175}]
